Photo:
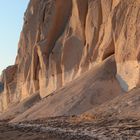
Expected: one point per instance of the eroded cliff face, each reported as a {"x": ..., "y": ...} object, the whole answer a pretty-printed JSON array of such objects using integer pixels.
[{"x": 62, "y": 39}]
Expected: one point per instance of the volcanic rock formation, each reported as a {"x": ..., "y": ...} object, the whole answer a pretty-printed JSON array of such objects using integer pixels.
[{"x": 78, "y": 49}]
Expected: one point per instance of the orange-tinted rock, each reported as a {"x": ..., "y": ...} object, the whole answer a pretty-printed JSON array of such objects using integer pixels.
[{"x": 62, "y": 39}]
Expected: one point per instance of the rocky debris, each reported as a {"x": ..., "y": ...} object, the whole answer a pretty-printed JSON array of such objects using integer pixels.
[
  {"x": 9, "y": 133},
  {"x": 115, "y": 119},
  {"x": 107, "y": 128}
]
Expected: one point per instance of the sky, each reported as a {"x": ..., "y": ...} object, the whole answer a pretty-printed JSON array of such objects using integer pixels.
[{"x": 11, "y": 21}]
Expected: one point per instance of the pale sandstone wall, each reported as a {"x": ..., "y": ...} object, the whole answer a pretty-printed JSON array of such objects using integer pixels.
[{"x": 61, "y": 39}]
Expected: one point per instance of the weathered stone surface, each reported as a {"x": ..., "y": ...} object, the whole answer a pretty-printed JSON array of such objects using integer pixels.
[
  {"x": 62, "y": 39},
  {"x": 127, "y": 36},
  {"x": 9, "y": 83}
]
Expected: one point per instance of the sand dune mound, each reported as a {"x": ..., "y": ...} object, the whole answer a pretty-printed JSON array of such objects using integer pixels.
[
  {"x": 124, "y": 106},
  {"x": 92, "y": 89},
  {"x": 18, "y": 108}
]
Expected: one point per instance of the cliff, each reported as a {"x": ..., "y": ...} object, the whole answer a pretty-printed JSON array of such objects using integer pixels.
[{"x": 78, "y": 49}]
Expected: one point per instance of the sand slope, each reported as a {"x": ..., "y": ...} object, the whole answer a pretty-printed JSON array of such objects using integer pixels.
[{"x": 91, "y": 89}]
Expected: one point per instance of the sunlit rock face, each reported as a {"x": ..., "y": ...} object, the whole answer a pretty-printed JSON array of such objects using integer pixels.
[
  {"x": 127, "y": 46},
  {"x": 62, "y": 39}
]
